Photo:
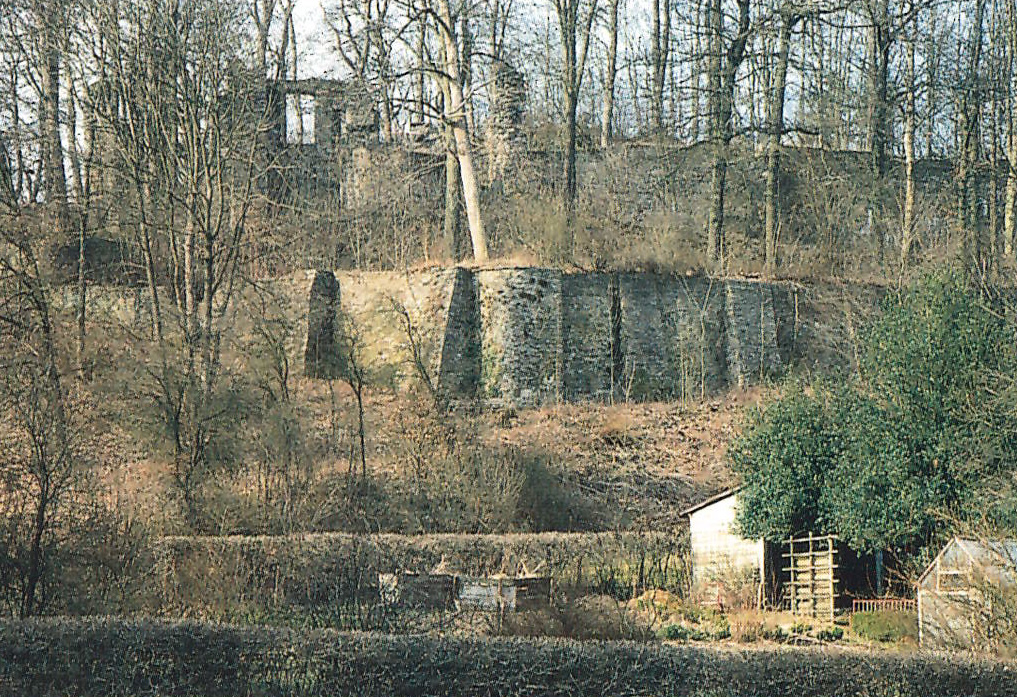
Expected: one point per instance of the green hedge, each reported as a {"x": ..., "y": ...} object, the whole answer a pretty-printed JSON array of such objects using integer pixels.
[
  {"x": 223, "y": 577},
  {"x": 885, "y": 625},
  {"x": 117, "y": 658}
]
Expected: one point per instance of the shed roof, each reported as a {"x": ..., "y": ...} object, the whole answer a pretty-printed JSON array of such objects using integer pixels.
[
  {"x": 998, "y": 554},
  {"x": 712, "y": 500}
]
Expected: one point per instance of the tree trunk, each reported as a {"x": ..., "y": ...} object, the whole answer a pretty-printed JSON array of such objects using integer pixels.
[
  {"x": 81, "y": 295},
  {"x": 702, "y": 11},
  {"x": 146, "y": 203},
  {"x": 571, "y": 108},
  {"x": 1010, "y": 206},
  {"x": 419, "y": 83},
  {"x": 33, "y": 574},
  {"x": 715, "y": 229},
  {"x": 723, "y": 76},
  {"x": 190, "y": 275},
  {"x": 932, "y": 60},
  {"x": 610, "y": 73},
  {"x": 908, "y": 223},
  {"x": 73, "y": 153},
  {"x": 715, "y": 223},
  {"x": 575, "y": 41},
  {"x": 995, "y": 248},
  {"x": 660, "y": 53},
  {"x": 81, "y": 193},
  {"x": 879, "y": 67},
  {"x": 467, "y": 70},
  {"x": 774, "y": 131},
  {"x": 455, "y": 114},
  {"x": 56, "y": 179},
  {"x": 1010, "y": 209},
  {"x": 971, "y": 107},
  {"x": 209, "y": 334},
  {"x": 452, "y": 226}
]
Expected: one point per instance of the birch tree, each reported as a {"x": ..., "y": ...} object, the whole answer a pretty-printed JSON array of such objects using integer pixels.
[{"x": 455, "y": 115}]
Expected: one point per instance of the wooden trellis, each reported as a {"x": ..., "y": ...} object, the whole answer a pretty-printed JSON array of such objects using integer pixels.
[{"x": 812, "y": 576}]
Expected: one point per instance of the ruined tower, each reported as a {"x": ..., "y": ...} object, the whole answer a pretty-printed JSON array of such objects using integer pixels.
[{"x": 505, "y": 137}]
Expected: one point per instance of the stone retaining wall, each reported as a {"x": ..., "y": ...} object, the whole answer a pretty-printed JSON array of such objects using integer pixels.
[{"x": 524, "y": 336}]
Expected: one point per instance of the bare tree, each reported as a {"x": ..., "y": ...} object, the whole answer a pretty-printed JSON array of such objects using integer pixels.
[
  {"x": 39, "y": 464},
  {"x": 610, "y": 73},
  {"x": 363, "y": 40},
  {"x": 183, "y": 118},
  {"x": 660, "y": 59},
  {"x": 910, "y": 109},
  {"x": 880, "y": 42},
  {"x": 575, "y": 22},
  {"x": 455, "y": 115},
  {"x": 1010, "y": 208},
  {"x": 36, "y": 38},
  {"x": 726, "y": 56},
  {"x": 971, "y": 90},
  {"x": 788, "y": 20},
  {"x": 263, "y": 13}
]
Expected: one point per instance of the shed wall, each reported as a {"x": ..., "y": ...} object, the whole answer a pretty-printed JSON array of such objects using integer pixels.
[{"x": 719, "y": 554}]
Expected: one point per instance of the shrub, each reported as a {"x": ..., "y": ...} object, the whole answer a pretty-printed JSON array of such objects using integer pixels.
[
  {"x": 830, "y": 634},
  {"x": 680, "y": 632},
  {"x": 116, "y": 658},
  {"x": 885, "y": 626},
  {"x": 714, "y": 628}
]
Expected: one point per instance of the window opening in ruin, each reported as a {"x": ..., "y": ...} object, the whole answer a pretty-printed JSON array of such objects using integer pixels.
[{"x": 300, "y": 119}]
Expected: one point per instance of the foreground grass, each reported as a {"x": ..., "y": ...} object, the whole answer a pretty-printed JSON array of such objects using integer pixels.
[{"x": 140, "y": 658}]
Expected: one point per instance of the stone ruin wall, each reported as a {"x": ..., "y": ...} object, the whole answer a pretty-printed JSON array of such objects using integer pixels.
[
  {"x": 396, "y": 324},
  {"x": 505, "y": 138},
  {"x": 524, "y": 336}
]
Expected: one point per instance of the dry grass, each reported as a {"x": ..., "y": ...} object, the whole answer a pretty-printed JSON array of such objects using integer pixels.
[{"x": 624, "y": 465}]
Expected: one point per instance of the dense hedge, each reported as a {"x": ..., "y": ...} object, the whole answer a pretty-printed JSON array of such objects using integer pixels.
[
  {"x": 212, "y": 577},
  {"x": 114, "y": 657}
]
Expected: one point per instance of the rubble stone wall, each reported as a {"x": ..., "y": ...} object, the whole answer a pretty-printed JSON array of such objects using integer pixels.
[{"x": 526, "y": 336}]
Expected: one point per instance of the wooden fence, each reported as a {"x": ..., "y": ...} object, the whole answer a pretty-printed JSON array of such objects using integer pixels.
[{"x": 884, "y": 604}]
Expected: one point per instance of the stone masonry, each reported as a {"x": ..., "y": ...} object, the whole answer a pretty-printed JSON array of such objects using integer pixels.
[{"x": 524, "y": 336}]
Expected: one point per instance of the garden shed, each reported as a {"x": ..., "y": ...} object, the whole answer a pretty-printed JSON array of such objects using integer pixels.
[
  {"x": 726, "y": 567},
  {"x": 966, "y": 592},
  {"x": 730, "y": 569}
]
